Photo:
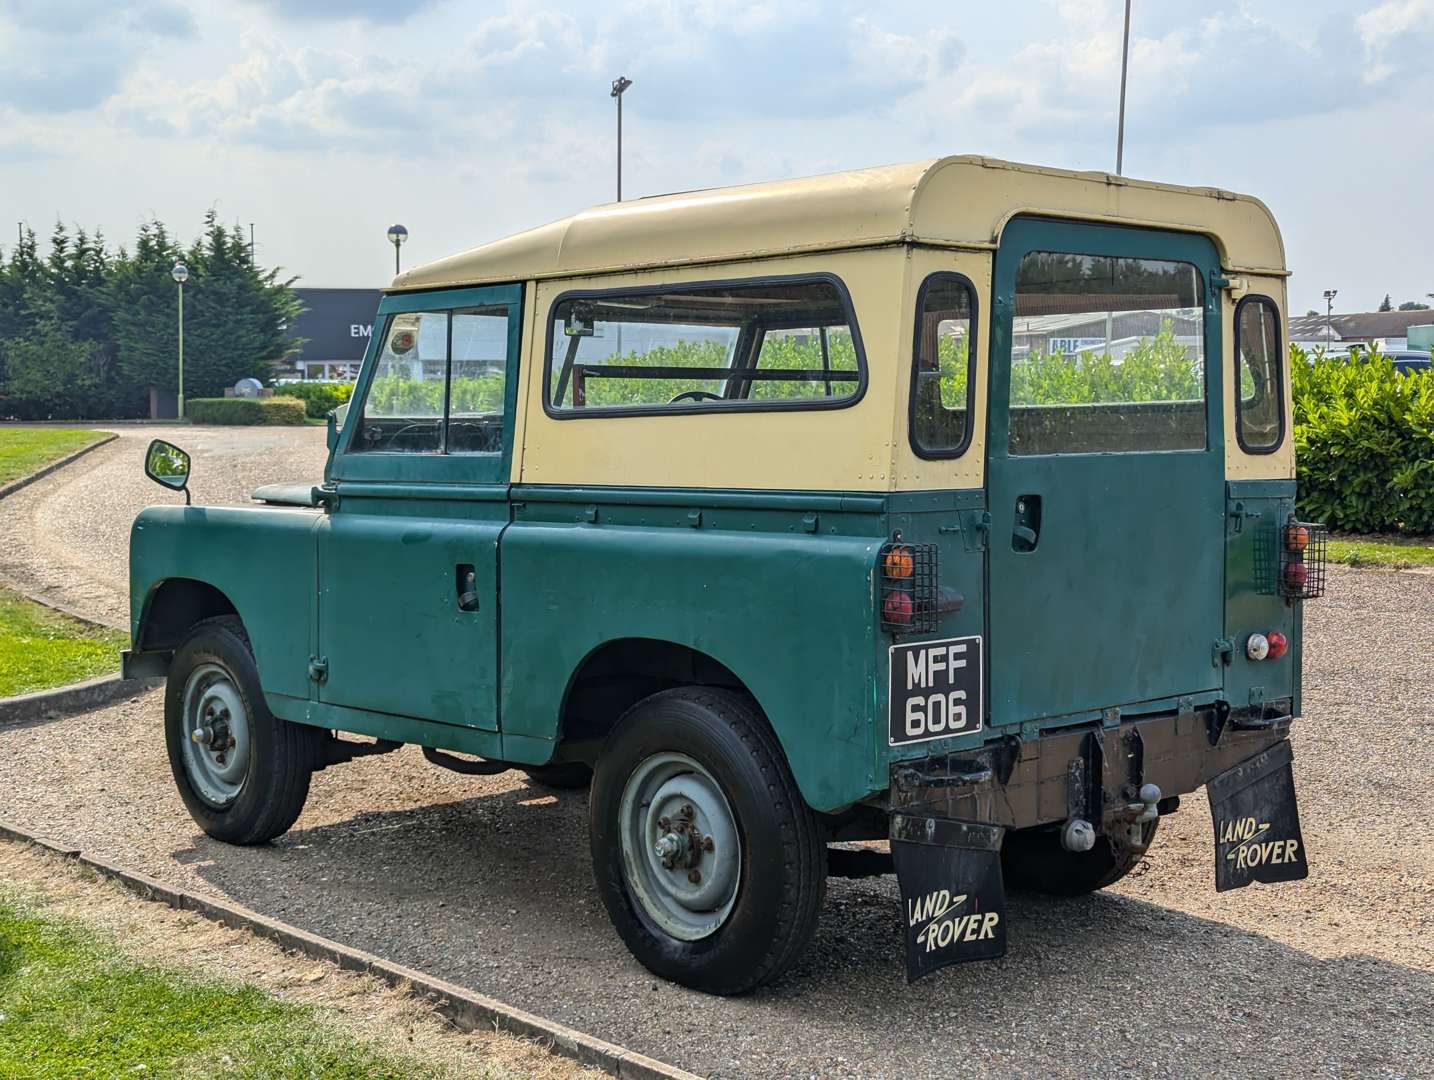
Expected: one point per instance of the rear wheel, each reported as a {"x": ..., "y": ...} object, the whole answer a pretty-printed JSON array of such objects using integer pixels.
[
  {"x": 709, "y": 862},
  {"x": 1033, "y": 859},
  {"x": 242, "y": 772}
]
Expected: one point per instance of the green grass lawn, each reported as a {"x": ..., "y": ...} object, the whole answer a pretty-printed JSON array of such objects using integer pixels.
[
  {"x": 23, "y": 450},
  {"x": 40, "y": 648},
  {"x": 71, "y": 1005},
  {"x": 1387, "y": 552}
]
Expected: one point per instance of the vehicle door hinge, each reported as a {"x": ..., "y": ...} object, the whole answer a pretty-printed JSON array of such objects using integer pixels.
[
  {"x": 1222, "y": 652},
  {"x": 318, "y": 668},
  {"x": 1219, "y": 280}
]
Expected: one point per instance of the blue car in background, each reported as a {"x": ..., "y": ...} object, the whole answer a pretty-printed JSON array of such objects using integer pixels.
[{"x": 1406, "y": 361}]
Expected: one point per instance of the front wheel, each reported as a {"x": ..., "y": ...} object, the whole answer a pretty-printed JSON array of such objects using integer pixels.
[
  {"x": 709, "y": 862},
  {"x": 242, "y": 772}
]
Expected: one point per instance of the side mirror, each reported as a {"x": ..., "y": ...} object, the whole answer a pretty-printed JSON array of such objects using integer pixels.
[{"x": 167, "y": 464}]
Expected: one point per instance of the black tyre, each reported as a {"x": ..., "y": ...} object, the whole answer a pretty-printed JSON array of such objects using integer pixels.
[
  {"x": 564, "y": 776},
  {"x": 242, "y": 772},
  {"x": 1033, "y": 859},
  {"x": 709, "y": 862}
]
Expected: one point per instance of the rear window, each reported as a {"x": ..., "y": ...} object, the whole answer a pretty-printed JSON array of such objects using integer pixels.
[
  {"x": 941, "y": 370},
  {"x": 789, "y": 343},
  {"x": 1259, "y": 405},
  {"x": 1107, "y": 355}
]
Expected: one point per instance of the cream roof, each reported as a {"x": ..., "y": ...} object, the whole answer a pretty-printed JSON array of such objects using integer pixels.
[{"x": 954, "y": 201}]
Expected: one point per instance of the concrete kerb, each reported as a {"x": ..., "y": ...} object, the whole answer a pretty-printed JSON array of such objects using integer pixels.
[
  {"x": 466, "y": 1010},
  {"x": 69, "y": 700},
  {"x": 26, "y": 481}
]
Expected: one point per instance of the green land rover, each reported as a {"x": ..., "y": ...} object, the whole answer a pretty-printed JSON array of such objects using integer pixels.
[{"x": 948, "y": 505}]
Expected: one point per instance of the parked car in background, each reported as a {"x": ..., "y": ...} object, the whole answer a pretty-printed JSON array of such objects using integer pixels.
[{"x": 1406, "y": 361}]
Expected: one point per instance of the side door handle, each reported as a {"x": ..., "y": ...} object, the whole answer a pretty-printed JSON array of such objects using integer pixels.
[{"x": 466, "y": 581}]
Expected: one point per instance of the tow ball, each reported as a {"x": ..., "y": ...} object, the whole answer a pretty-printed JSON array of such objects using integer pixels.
[{"x": 1078, "y": 834}]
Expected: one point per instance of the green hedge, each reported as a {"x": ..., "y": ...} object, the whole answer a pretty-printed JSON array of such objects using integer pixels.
[
  {"x": 237, "y": 410},
  {"x": 1364, "y": 443},
  {"x": 319, "y": 398}
]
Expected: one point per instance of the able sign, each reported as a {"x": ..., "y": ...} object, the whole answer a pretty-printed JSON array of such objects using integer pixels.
[{"x": 935, "y": 690}]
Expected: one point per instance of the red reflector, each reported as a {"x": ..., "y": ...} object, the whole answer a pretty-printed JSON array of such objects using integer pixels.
[
  {"x": 1296, "y": 577},
  {"x": 1278, "y": 644}
]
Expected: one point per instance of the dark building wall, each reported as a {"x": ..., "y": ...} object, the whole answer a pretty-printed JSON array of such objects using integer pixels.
[{"x": 337, "y": 324}]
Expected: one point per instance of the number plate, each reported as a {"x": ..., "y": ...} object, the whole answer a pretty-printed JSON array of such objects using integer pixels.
[{"x": 935, "y": 690}]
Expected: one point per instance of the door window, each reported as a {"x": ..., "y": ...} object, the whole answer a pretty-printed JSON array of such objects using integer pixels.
[
  {"x": 1107, "y": 355},
  {"x": 438, "y": 385},
  {"x": 1259, "y": 405},
  {"x": 941, "y": 371}
]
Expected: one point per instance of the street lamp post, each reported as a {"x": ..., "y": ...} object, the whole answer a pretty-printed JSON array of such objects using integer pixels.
[
  {"x": 180, "y": 273},
  {"x": 619, "y": 86},
  {"x": 397, "y": 234},
  {"x": 1124, "y": 66},
  {"x": 1329, "y": 295}
]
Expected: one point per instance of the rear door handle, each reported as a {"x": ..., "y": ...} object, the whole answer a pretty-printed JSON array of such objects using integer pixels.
[{"x": 1026, "y": 530}]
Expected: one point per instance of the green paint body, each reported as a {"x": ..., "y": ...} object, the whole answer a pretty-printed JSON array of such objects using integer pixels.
[{"x": 778, "y": 587}]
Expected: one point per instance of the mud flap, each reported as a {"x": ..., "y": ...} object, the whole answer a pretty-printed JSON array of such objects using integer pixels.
[
  {"x": 952, "y": 897},
  {"x": 1257, "y": 824}
]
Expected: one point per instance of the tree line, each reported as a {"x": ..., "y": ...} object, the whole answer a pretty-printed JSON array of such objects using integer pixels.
[{"x": 86, "y": 331}]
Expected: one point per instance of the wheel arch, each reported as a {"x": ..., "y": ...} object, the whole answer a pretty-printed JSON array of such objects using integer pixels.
[{"x": 173, "y": 607}]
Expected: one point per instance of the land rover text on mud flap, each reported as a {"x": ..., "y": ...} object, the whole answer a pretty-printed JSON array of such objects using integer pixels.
[{"x": 949, "y": 505}]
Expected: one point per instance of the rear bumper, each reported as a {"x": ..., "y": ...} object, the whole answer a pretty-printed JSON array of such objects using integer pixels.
[{"x": 1094, "y": 772}]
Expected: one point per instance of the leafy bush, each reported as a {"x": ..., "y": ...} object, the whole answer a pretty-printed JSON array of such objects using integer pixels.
[
  {"x": 319, "y": 398},
  {"x": 237, "y": 410},
  {"x": 1364, "y": 443}
]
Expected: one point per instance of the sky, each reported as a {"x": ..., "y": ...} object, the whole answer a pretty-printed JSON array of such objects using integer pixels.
[{"x": 325, "y": 121}]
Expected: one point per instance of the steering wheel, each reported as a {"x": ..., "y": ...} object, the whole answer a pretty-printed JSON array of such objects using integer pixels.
[{"x": 695, "y": 395}]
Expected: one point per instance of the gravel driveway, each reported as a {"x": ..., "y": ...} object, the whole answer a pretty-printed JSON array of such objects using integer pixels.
[
  {"x": 487, "y": 882},
  {"x": 66, "y": 537}
]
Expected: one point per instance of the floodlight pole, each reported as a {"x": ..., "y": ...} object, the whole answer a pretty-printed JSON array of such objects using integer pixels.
[
  {"x": 1329, "y": 295},
  {"x": 619, "y": 85},
  {"x": 1124, "y": 67}
]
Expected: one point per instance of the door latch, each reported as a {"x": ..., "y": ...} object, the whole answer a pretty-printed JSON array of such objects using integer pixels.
[
  {"x": 1222, "y": 652},
  {"x": 318, "y": 668}
]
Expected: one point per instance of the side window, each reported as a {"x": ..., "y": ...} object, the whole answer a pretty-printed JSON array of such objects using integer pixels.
[
  {"x": 438, "y": 385},
  {"x": 941, "y": 370},
  {"x": 403, "y": 412},
  {"x": 1107, "y": 355},
  {"x": 781, "y": 343},
  {"x": 1259, "y": 404}
]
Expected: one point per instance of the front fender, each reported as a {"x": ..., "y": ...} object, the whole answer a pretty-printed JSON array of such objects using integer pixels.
[{"x": 261, "y": 560}]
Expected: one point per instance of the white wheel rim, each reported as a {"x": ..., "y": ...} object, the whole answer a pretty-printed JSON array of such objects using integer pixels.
[
  {"x": 216, "y": 735},
  {"x": 681, "y": 851}
]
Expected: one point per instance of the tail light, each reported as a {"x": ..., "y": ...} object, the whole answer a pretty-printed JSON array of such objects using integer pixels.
[
  {"x": 1302, "y": 560},
  {"x": 1269, "y": 646},
  {"x": 907, "y": 573}
]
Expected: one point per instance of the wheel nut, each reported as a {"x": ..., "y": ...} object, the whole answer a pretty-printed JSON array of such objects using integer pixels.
[
  {"x": 686, "y": 810},
  {"x": 664, "y": 823},
  {"x": 694, "y": 876},
  {"x": 707, "y": 844}
]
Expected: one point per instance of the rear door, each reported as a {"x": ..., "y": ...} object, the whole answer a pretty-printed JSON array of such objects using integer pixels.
[{"x": 1106, "y": 470}]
